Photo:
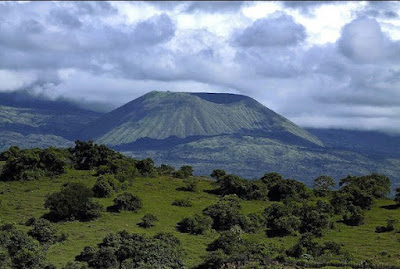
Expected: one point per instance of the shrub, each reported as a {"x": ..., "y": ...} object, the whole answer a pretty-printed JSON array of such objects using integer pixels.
[
  {"x": 218, "y": 173},
  {"x": 189, "y": 185},
  {"x": 376, "y": 185},
  {"x": 182, "y": 203},
  {"x": 127, "y": 201},
  {"x": 231, "y": 184},
  {"x": 195, "y": 225},
  {"x": 354, "y": 216},
  {"x": 74, "y": 201},
  {"x": 146, "y": 167},
  {"x": 105, "y": 186},
  {"x": 148, "y": 221},
  {"x": 280, "y": 220},
  {"x": 288, "y": 189},
  {"x": 323, "y": 185},
  {"x": 44, "y": 231},
  {"x": 183, "y": 172},
  {"x": 165, "y": 170},
  {"x": 226, "y": 213},
  {"x": 18, "y": 250},
  {"x": 88, "y": 155},
  {"x": 125, "y": 250}
]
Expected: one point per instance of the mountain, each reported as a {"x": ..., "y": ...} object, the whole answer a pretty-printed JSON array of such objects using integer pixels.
[
  {"x": 33, "y": 121},
  {"x": 204, "y": 130},
  {"x": 232, "y": 132},
  {"x": 162, "y": 115}
]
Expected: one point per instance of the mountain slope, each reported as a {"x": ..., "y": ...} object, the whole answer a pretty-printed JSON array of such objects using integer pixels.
[
  {"x": 159, "y": 115},
  {"x": 29, "y": 121}
]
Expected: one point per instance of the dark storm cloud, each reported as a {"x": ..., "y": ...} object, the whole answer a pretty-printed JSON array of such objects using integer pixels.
[{"x": 279, "y": 30}]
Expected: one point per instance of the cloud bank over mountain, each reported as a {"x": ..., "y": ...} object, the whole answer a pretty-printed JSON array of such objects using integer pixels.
[{"x": 321, "y": 64}]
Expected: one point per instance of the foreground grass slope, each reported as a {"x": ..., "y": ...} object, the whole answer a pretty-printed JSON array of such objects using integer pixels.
[{"x": 23, "y": 200}]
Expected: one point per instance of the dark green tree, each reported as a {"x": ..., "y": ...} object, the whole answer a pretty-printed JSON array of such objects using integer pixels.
[
  {"x": 127, "y": 201},
  {"x": 74, "y": 201},
  {"x": 197, "y": 224},
  {"x": 323, "y": 185},
  {"x": 226, "y": 213}
]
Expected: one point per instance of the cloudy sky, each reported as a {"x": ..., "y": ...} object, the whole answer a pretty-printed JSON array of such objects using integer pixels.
[{"x": 321, "y": 64}]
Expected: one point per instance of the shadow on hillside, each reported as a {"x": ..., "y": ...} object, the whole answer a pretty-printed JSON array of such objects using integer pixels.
[
  {"x": 390, "y": 207},
  {"x": 213, "y": 191},
  {"x": 113, "y": 208}
]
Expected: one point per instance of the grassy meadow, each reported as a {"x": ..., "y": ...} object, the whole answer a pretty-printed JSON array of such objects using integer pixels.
[{"x": 23, "y": 200}]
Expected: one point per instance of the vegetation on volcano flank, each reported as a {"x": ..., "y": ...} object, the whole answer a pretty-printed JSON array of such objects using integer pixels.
[{"x": 151, "y": 222}]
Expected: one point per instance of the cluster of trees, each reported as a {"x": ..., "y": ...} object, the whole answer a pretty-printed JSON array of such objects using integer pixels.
[
  {"x": 19, "y": 250},
  {"x": 357, "y": 194},
  {"x": 30, "y": 164},
  {"x": 73, "y": 202},
  {"x": 125, "y": 250}
]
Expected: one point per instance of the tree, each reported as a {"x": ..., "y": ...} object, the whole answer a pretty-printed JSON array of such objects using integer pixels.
[
  {"x": 183, "y": 172},
  {"x": 165, "y": 170},
  {"x": 146, "y": 167},
  {"x": 288, "y": 189},
  {"x": 397, "y": 196},
  {"x": 280, "y": 220},
  {"x": 125, "y": 250},
  {"x": 105, "y": 186},
  {"x": 44, "y": 231},
  {"x": 376, "y": 185},
  {"x": 323, "y": 185},
  {"x": 74, "y": 201},
  {"x": 217, "y": 174},
  {"x": 226, "y": 213},
  {"x": 127, "y": 201},
  {"x": 271, "y": 179},
  {"x": 197, "y": 224},
  {"x": 20, "y": 250},
  {"x": 354, "y": 216},
  {"x": 88, "y": 155},
  {"x": 148, "y": 221}
]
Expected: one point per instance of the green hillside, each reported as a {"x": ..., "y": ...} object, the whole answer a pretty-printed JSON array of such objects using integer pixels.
[
  {"x": 251, "y": 157},
  {"x": 359, "y": 244},
  {"x": 20, "y": 201}
]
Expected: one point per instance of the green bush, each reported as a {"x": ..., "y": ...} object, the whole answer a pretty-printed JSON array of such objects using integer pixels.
[
  {"x": 183, "y": 172},
  {"x": 44, "y": 231},
  {"x": 226, "y": 213},
  {"x": 18, "y": 250},
  {"x": 280, "y": 220},
  {"x": 148, "y": 221},
  {"x": 74, "y": 201},
  {"x": 354, "y": 216},
  {"x": 105, "y": 186},
  {"x": 127, "y": 201},
  {"x": 125, "y": 250},
  {"x": 195, "y": 225}
]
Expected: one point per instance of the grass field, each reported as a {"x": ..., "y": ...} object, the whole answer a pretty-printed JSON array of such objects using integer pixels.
[{"x": 23, "y": 200}]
